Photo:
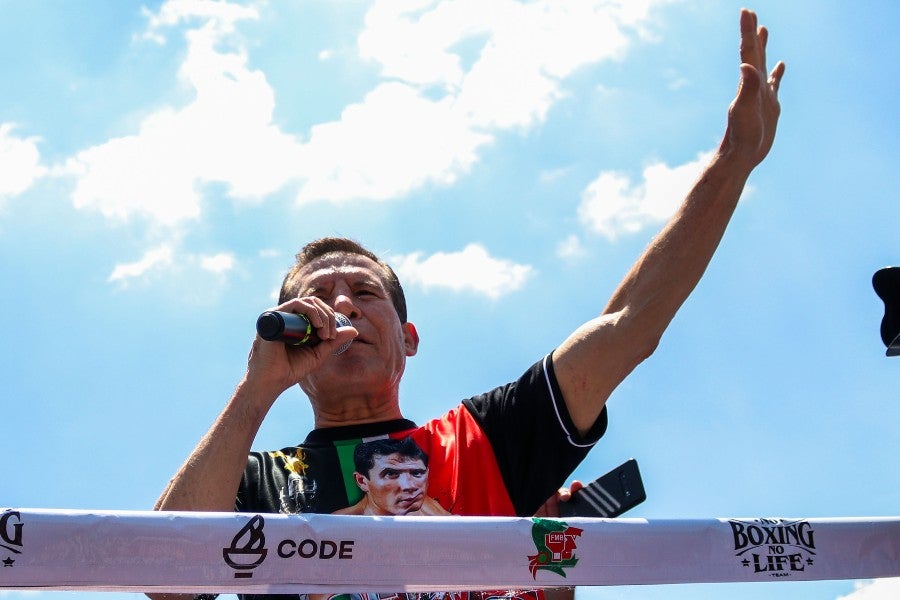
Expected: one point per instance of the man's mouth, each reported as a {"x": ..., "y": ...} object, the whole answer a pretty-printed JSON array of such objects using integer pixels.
[{"x": 408, "y": 501}]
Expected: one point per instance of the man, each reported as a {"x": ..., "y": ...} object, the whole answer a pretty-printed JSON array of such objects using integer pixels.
[
  {"x": 500, "y": 453},
  {"x": 393, "y": 476}
]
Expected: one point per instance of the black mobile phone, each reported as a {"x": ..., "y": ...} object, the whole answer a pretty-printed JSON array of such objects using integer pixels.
[{"x": 609, "y": 495}]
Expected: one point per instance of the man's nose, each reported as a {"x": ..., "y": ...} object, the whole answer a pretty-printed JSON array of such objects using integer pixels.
[{"x": 343, "y": 303}]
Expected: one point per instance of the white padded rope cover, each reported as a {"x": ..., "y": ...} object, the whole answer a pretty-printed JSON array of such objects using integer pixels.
[{"x": 234, "y": 552}]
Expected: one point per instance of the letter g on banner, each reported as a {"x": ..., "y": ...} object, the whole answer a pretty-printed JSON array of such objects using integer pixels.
[
  {"x": 11, "y": 531},
  {"x": 11, "y": 535}
]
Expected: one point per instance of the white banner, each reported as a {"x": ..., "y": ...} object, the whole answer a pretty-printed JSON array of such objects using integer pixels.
[{"x": 233, "y": 552}]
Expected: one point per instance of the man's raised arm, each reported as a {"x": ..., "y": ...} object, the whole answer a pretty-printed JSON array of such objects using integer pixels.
[{"x": 601, "y": 353}]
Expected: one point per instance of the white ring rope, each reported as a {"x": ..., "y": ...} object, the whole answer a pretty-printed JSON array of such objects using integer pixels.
[{"x": 233, "y": 552}]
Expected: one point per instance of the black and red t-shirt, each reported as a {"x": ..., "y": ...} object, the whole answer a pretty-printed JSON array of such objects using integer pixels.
[{"x": 502, "y": 453}]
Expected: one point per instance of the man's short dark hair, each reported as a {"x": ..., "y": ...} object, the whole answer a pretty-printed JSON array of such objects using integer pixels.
[
  {"x": 364, "y": 454},
  {"x": 338, "y": 245}
]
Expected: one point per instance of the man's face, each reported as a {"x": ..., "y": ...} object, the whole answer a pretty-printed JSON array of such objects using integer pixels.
[
  {"x": 373, "y": 364},
  {"x": 395, "y": 485}
]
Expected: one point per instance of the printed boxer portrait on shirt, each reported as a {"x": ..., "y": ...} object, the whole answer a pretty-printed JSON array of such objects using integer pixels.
[{"x": 393, "y": 476}]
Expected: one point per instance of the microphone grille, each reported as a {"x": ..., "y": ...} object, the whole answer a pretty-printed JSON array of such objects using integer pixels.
[{"x": 342, "y": 321}]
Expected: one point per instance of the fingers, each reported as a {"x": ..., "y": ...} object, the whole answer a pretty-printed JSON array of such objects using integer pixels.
[
  {"x": 776, "y": 75},
  {"x": 550, "y": 508},
  {"x": 749, "y": 38},
  {"x": 762, "y": 42},
  {"x": 754, "y": 40},
  {"x": 564, "y": 494},
  {"x": 320, "y": 315},
  {"x": 752, "y": 81}
]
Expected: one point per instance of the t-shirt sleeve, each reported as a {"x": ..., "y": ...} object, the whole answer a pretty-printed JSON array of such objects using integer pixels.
[
  {"x": 254, "y": 495},
  {"x": 535, "y": 442}
]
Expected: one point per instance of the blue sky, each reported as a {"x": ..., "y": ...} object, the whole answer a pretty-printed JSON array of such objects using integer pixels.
[{"x": 161, "y": 162}]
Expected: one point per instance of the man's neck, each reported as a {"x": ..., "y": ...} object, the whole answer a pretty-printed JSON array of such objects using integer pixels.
[{"x": 356, "y": 412}]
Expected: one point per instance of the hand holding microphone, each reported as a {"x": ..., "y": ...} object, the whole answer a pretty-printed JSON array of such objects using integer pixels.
[{"x": 294, "y": 329}]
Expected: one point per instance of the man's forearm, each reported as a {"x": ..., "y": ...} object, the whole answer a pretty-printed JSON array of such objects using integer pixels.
[
  {"x": 669, "y": 269},
  {"x": 601, "y": 353},
  {"x": 210, "y": 477}
]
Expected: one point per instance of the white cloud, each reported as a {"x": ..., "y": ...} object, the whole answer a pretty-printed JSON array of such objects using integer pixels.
[
  {"x": 571, "y": 247},
  {"x": 553, "y": 175},
  {"x": 455, "y": 74},
  {"x": 223, "y": 15},
  {"x": 155, "y": 259},
  {"x": 613, "y": 205},
  {"x": 471, "y": 269},
  {"x": 20, "y": 162},
  {"x": 224, "y": 135},
  {"x": 459, "y": 72},
  {"x": 879, "y": 589},
  {"x": 392, "y": 142},
  {"x": 168, "y": 259},
  {"x": 522, "y": 51},
  {"x": 218, "y": 263}
]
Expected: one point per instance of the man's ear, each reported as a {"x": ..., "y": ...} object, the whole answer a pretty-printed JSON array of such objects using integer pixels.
[
  {"x": 361, "y": 481},
  {"x": 410, "y": 339}
]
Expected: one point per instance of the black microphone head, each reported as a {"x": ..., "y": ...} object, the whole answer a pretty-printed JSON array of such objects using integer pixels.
[{"x": 270, "y": 325}]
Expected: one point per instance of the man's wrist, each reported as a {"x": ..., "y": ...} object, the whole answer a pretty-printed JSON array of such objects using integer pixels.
[{"x": 728, "y": 165}]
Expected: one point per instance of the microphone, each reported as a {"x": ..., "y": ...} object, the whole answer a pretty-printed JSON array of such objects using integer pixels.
[{"x": 294, "y": 329}]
